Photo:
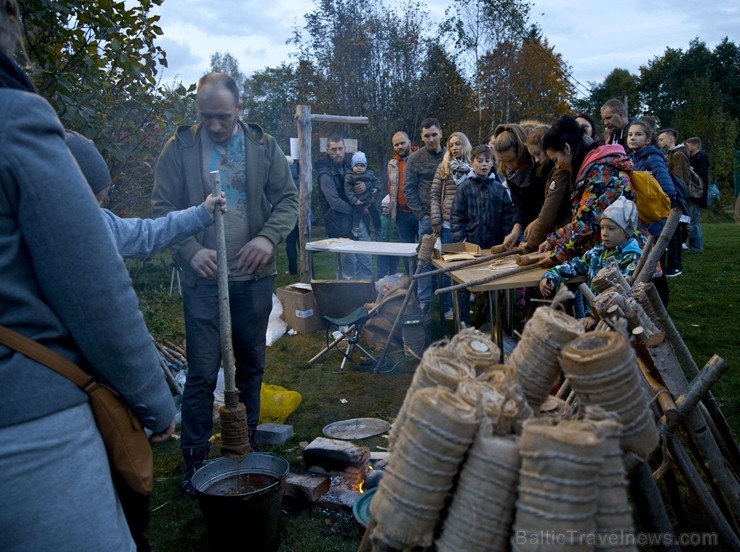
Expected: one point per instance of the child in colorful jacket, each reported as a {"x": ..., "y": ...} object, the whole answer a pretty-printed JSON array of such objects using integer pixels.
[{"x": 618, "y": 244}]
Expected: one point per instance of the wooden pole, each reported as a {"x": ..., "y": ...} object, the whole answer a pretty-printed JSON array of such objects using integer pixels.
[
  {"x": 650, "y": 507},
  {"x": 696, "y": 485},
  {"x": 341, "y": 119},
  {"x": 656, "y": 253},
  {"x": 224, "y": 313},
  {"x": 303, "y": 124},
  {"x": 648, "y": 297}
]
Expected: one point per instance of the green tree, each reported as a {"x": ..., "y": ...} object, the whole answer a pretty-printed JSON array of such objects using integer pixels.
[
  {"x": 98, "y": 65},
  {"x": 364, "y": 59},
  {"x": 540, "y": 88},
  {"x": 620, "y": 84},
  {"x": 480, "y": 29},
  {"x": 446, "y": 95}
]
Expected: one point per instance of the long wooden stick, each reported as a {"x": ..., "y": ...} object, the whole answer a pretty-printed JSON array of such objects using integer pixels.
[
  {"x": 651, "y": 263},
  {"x": 648, "y": 297},
  {"x": 650, "y": 506},
  {"x": 703, "y": 497},
  {"x": 224, "y": 312},
  {"x": 486, "y": 279},
  {"x": 466, "y": 264},
  {"x": 643, "y": 257}
]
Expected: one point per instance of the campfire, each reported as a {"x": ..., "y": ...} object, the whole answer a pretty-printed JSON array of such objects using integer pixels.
[{"x": 336, "y": 473}]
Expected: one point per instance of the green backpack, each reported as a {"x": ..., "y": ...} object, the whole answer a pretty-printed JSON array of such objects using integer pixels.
[{"x": 694, "y": 184}]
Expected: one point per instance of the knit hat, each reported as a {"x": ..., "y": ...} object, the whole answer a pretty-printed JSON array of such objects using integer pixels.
[
  {"x": 623, "y": 213},
  {"x": 88, "y": 157},
  {"x": 359, "y": 157}
]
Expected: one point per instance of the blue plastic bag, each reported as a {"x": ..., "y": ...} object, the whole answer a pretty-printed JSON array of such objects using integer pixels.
[{"x": 713, "y": 193}]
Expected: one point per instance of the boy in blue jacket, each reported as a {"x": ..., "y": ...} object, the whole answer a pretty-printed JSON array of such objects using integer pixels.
[
  {"x": 135, "y": 237},
  {"x": 618, "y": 244}
]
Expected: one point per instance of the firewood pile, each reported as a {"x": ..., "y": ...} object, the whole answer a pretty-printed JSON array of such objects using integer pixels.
[
  {"x": 172, "y": 361},
  {"x": 483, "y": 457}
]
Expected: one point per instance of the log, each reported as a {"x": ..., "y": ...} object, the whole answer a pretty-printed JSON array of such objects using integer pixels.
[
  {"x": 660, "y": 393},
  {"x": 641, "y": 263},
  {"x": 529, "y": 259},
  {"x": 649, "y": 505},
  {"x": 710, "y": 374},
  {"x": 657, "y": 251},
  {"x": 648, "y": 298},
  {"x": 702, "y": 496}
]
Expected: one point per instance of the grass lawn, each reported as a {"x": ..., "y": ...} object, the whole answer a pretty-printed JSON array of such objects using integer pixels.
[{"x": 703, "y": 305}]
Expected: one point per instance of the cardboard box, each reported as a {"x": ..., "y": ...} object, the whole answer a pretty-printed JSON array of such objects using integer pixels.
[
  {"x": 459, "y": 251},
  {"x": 300, "y": 310}
]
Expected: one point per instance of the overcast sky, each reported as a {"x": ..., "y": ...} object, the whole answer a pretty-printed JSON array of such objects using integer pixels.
[{"x": 594, "y": 37}]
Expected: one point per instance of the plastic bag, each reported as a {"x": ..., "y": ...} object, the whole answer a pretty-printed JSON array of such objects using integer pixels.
[
  {"x": 276, "y": 326},
  {"x": 387, "y": 282},
  {"x": 713, "y": 193},
  {"x": 277, "y": 403}
]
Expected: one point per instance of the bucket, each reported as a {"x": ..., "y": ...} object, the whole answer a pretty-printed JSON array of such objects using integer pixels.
[{"x": 241, "y": 501}]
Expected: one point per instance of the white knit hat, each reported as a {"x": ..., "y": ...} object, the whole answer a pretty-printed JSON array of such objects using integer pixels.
[{"x": 624, "y": 214}]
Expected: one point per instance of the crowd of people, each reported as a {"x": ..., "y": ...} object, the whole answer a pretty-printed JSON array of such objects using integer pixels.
[
  {"x": 557, "y": 180},
  {"x": 558, "y": 189}
]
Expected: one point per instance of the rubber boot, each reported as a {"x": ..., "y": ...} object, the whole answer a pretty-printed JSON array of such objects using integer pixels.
[{"x": 193, "y": 461}]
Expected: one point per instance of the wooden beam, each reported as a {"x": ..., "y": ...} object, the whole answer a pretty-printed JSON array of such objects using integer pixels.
[
  {"x": 303, "y": 123},
  {"x": 343, "y": 119}
]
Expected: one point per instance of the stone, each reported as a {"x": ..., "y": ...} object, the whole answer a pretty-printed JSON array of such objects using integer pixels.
[
  {"x": 273, "y": 434},
  {"x": 306, "y": 486}
]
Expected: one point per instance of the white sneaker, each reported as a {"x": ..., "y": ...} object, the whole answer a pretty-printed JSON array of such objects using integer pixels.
[
  {"x": 449, "y": 315},
  {"x": 684, "y": 246}
]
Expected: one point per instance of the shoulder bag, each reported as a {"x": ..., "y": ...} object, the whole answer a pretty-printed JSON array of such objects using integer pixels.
[{"x": 128, "y": 448}]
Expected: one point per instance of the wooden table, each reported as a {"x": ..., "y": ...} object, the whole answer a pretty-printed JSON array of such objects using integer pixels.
[
  {"x": 345, "y": 245},
  {"x": 500, "y": 291}
]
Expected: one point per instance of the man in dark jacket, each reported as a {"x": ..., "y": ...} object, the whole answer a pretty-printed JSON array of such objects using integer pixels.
[
  {"x": 337, "y": 211},
  {"x": 418, "y": 175},
  {"x": 699, "y": 161},
  {"x": 262, "y": 204},
  {"x": 677, "y": 159},
  {"x": 616, "y": 122}
]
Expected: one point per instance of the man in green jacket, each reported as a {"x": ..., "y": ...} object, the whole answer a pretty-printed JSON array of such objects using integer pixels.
[{"x": 262, "y": 205}]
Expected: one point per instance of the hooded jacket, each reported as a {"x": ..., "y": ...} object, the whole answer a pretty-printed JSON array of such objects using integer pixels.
[
  {"x": 272, "y": 198},
  {"x": 335, "y": 208},
  {"x": 602, "y": 178},
  {"x": 626, "y": 255},
  {"x": 481, "y": 211},
  {"x": 651, "y": 158}
]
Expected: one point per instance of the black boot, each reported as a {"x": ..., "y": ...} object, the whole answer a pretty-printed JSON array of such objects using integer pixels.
[
  {"x": 253, "y": 440},
  {"x": 193, "y": 461}
]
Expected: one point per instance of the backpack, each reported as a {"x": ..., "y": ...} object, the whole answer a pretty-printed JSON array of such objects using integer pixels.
[
  {"x": 682, "y": 195},
  {"x": 653, "y": 204},
  {"x": 695, "y": 185}
]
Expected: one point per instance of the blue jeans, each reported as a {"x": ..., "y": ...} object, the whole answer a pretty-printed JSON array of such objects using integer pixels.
[
  {"x": 425, "y": 286},
  {"x": 696, "y": 239},
  {"x": 356, "y": 267},
  {"x": 250, "y": 305},
  {"x": 407, "y": 227}
]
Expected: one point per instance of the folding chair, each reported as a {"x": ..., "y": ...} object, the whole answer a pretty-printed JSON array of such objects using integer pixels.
[{"x": 341, "y": 303}]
